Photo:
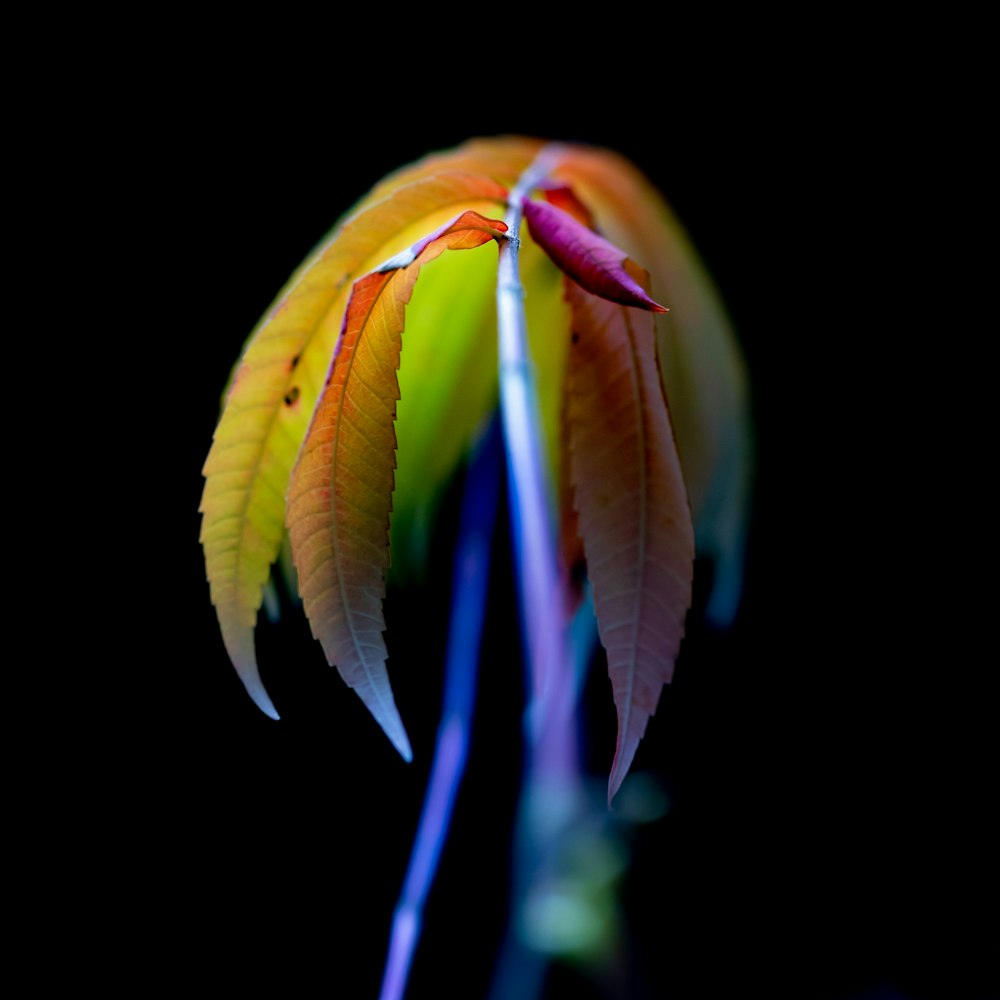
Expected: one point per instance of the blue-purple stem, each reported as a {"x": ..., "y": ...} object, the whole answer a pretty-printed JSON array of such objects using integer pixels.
[
  {"x": 546, "y": 813},
  {"x": 551, "y": 796},
  {"x": 469, "y": 587},
  {"x": 529, "y": 495},
  {"x": 552, "y": 793}
]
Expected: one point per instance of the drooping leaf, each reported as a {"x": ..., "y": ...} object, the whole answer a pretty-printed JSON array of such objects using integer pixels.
[
  {"x": 560, "y": 226},
  {"x": 589, "y": 259},
  {"x": 340, "y": 493},
  {"x": 274, "y": 391},
  {"x": 701, "y": 363},
  {"x": 634, "y": 517}
]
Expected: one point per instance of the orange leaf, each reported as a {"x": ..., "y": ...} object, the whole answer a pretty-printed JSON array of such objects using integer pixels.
[
  {"x": 634, "y": 517},
  {"x": 504, "y": 158},
  {"x": 341, "y": 488},
  {"x": 273, "y": 394}
]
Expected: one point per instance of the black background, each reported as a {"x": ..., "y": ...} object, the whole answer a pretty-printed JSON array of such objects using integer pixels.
[{"x": 827, "y": 761}]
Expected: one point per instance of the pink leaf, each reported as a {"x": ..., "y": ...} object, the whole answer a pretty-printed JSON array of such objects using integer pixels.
[{"x": 590, "y": 260}]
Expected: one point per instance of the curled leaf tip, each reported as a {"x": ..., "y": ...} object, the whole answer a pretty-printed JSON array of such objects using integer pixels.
[
  {"x": 260, "y": 697},
  {"x": 240, "y": 647},
  {"x": 467, "y": 221},
  {"x": 262, "y": 701}
]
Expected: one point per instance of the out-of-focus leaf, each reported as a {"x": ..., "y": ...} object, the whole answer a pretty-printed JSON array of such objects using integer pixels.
[
  {"x": 565, "y": 198},
  {"x": 274, "y": 391},
  {"x": 504, "y": 159},
  {"x": 634, "y": 517},
  {"x": 340, "y": 493},
  {"x": 589, "y": 259}
]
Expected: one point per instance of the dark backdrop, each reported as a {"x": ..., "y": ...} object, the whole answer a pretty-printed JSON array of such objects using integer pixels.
[{"x": 825, "y": 837}]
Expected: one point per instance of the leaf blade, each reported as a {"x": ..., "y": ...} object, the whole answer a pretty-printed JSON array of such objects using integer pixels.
[
  {"x": 634, "y": 518},
  {"x": 339, "y": 497},
  {"x": 273, "y": 393}
]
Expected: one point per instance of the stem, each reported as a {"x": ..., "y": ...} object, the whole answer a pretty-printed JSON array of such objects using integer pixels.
[
  {"x": 471, "y": 574},
  {"x": 550, "y": 796},
  {"x": 546, "y": 815},
  {"x": 529, "y": 495}
]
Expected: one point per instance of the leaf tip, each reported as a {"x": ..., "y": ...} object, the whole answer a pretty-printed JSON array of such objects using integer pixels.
[
  {"x": 250, "y": 676},
  {"x": 397, "y": 734},
  {"x": 240, "y": 647},
  {"x": 640, "y": 298},
  {"x": 264, "y": 703},
  {"x": 383, "y": 708},
  {"x": 619, "y": 771},
  {"x": 638, "y": 288}
]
